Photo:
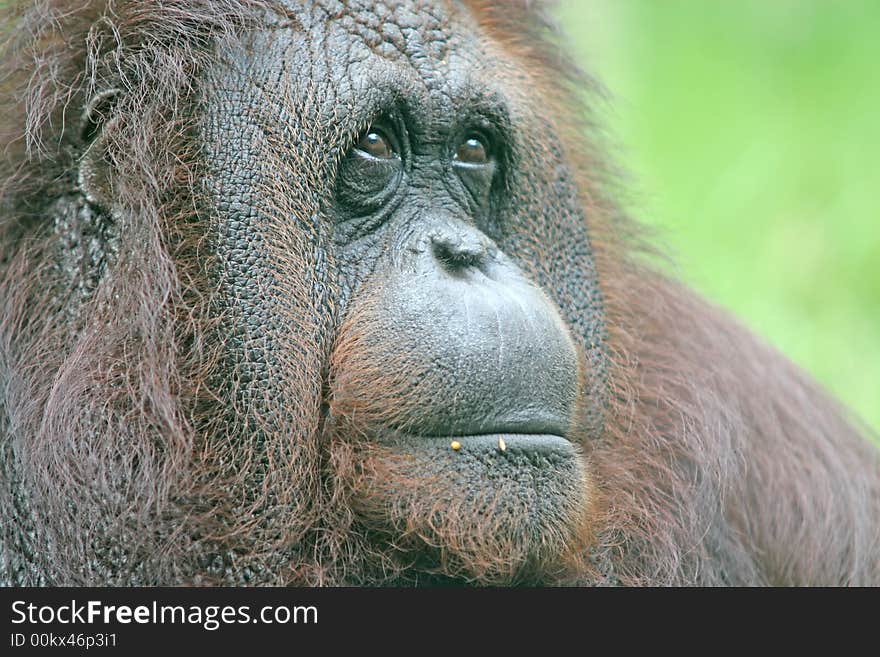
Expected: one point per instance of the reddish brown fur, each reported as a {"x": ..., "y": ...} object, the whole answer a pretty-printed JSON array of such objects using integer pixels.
[
  {"x": 746, "y": 455},
  {"x": 740, "y": 472}
]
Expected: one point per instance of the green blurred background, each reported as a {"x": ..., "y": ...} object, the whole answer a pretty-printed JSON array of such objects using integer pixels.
[{"x": 752, "y": 129}]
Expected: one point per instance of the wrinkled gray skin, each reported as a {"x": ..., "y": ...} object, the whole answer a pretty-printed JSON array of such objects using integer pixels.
[
  {"x": 443, "y": 253},
  {"x": 475, "y": 286}
]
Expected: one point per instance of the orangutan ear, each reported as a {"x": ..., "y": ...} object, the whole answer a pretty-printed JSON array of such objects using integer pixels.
[{"x": 97, "y": 120}]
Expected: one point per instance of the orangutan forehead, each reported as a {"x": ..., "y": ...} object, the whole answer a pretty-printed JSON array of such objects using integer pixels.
[
  {"x": 394, "y": 29},
  {"x": 343, "y": 63}
]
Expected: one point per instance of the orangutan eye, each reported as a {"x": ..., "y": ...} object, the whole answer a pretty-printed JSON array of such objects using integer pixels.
[
  {"x": 473, "y": 150},
  {"x": 376, "y": 143},
  {"x": 371, "y": 172}
]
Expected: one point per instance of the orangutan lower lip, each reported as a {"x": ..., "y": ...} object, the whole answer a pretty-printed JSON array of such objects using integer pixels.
[{"x": 513, "y": 443}]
